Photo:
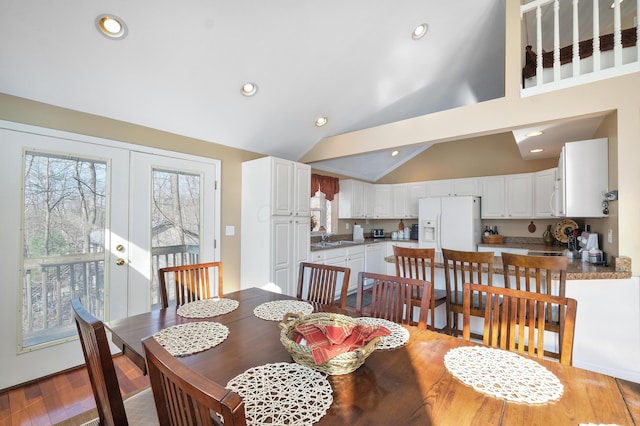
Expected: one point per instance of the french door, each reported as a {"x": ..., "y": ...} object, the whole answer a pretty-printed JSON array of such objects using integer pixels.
[{"x": 92, "y": 219}]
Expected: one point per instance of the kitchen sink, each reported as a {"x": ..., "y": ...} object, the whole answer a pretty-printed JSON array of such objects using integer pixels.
[{"x": 324, "y": 244}]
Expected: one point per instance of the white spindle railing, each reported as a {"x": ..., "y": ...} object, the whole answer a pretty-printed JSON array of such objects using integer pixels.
[{"x": 576, "y": 70}]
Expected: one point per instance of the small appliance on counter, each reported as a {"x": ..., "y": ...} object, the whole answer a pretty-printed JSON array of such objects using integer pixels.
[
  {"x": 414, "y": 231},
  {"x": 377, "y": 233},
  {"x": 358, "y": 234}
]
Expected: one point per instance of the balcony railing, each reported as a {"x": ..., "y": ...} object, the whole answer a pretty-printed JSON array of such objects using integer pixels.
[
  {"x": 50, "y": 283},
  {"x": 587, "y": 58}
]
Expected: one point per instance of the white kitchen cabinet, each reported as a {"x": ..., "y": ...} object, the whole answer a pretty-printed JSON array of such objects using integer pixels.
[
  {"x": 351, "y": 199},
  {"x": 275, "y": 223},
  {"x": 583, "y": 178},
  {"x": 493, "y": 197},
  {"x": 383, "y": 201},
  {"x": 440, "y": 188},
  {"x": 349, "y": 257},
  {"x": 415, "y": 191},
  {"x": 466, "y": 186},
  {"x": 519, "y": 198},
  {"x": 543, "y": 184},
  {"x": 369, "y": 200},
  {"x": 400, "y": 196},
  {"x": 454, "y": 187}
]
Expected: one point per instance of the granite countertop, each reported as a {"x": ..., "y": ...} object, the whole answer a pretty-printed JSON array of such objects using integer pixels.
[{"x": 620, "y": 268}]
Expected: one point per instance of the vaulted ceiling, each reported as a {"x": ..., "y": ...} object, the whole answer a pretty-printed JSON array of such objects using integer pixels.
[{"x": 181, "y": 65}]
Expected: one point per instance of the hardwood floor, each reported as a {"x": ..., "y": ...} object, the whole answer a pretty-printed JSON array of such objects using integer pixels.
[{"x": 63, "y": 396}]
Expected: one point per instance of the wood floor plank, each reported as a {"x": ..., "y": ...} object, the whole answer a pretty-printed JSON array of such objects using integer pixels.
[{"x": 63, "y": 396}]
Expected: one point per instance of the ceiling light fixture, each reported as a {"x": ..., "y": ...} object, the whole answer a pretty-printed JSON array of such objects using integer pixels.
[
  {"x": 533, "y": 151},
  {"x": 420, "y": 31},
  {"x": 394, "y": 153},
  {"x": 111, "y": 26},
  {"x": 321, "y": 121},
  {"x": 249, "y": 89},
  {"x": 532, "y": 134}
]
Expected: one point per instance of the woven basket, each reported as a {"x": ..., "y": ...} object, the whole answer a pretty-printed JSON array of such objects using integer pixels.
[
  {"x": 493, "y": 239},
  {"x": 341, "y": 364}
]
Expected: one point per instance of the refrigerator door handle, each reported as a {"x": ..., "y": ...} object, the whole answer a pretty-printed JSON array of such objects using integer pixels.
[{"x": 439, "y": 232}]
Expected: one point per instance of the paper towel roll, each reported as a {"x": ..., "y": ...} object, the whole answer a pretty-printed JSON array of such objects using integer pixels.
[{"x": 358, "y": 233}]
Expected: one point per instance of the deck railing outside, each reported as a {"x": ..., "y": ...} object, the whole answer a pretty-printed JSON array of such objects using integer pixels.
[
  {"x": 600, "y": 65},
  {"x": 50, "y": 283}
]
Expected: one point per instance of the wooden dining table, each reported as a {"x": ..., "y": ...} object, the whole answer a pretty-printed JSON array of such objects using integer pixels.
[{"x": 403, "y": 386}]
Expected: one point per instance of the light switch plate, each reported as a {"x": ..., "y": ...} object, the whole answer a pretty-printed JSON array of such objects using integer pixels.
[
  {"x": 610, "y": 236},
  {"x": 230, "y": 230}
]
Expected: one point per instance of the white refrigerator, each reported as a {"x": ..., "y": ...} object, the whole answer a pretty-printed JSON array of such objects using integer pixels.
[{"x": 449, "y": 222}]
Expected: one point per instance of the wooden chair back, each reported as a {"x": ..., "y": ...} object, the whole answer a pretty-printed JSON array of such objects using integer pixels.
[
  {"x": 192, "y": 282},
  {"x": 184, "y": 397},
  {"x": 515, "y": 320},
  {"x": 392, "y": 298},
  {"x": 540, "y": 274},
  {"x": 102, "y": 373},
  {"x": 319, "y": 283},
  {"x": 535, "y": 273},
  {"x": 419, "y": 263},
  {"x": 465, "y": 267}
]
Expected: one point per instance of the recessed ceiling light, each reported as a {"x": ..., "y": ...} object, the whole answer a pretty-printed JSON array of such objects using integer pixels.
[
  {"x": 249, "y": 89},
  {"x": 420, "y": 31},
  {"x": 532, "y": 134},
  {"x": 533, "y": 151},
  {"x": 321, "y": 121},
  {"x": 394, "y": 153},
  {"x": 111, "y": 26}
]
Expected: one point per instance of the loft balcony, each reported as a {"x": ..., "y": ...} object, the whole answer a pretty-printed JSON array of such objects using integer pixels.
[{"x": 575, "y": 42}]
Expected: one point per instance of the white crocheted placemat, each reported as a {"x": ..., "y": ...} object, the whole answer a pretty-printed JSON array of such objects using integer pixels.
[
  {"x": 187, "y": 339},
  {"x": 399, "y": 335},
  {"x": 503, "y": 374},
  {"x": 276, "y": 310},
  {"x": 283, "y": 394},
  {"x": 206, "y": 308}
]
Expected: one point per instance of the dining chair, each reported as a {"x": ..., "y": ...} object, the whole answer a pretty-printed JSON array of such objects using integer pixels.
[
  {"x": 393, "y": 298},
  {"x": 184, "y": 397},
  {"x": 515, "y": 319},
  {"x": 419, "y": 263},
  {"x": 112, "y": 409},
  {"x": 321, "y": 284},
  {"x": 465, "y": 267},
  {"x": 192, "y": 282},
  {"x": 539, "y": 274}
]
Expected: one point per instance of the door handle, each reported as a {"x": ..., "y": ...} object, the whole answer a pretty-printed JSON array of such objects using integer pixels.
[{"x": 120, "y": 261}]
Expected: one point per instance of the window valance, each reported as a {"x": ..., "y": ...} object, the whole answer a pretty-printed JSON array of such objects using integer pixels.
[{"x": 326, "y": 184}]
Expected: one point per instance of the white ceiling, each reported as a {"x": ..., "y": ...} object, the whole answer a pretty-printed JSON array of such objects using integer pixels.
[
  {"x": 182, "y": 64},
  {"x": 181, "y": 67}
]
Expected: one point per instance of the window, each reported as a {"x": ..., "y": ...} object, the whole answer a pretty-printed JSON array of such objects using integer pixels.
[{"x": 320, "y": 213}]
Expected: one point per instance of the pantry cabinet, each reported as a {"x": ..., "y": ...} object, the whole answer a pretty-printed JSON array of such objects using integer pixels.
[{"x": 275, "y": 220}]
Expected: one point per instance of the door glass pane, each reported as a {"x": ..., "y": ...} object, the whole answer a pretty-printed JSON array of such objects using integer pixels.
[
  {"x": 175, "y": 236},
  {"x": 64, "y": 216}
]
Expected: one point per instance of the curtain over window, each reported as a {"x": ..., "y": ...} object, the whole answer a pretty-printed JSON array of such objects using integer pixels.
[{"x": 325, "y": 184}]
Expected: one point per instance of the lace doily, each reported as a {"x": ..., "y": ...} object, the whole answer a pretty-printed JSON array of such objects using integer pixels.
[
  {"x": 186, "y": 339},
  {"x": 283, "y": 394},
  {"x": 207, "y": 308},
  {"x": 398, "y": 337},
  {"x": 503, "y": 374},
  {"x": 276, "y": 310}
]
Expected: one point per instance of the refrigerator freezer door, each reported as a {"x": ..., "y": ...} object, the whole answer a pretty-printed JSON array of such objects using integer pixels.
[{"x": 460, "y": 223}]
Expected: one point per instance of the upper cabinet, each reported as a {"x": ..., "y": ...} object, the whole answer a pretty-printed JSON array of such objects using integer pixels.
[
  {"x": 583, "y": 178},
  {"x": 453, "y": 187},
  {"x": 492, "y": 201},
  {"x": 351, "y": 199},
  {"x": 291, "y": 183},
  {"x": 519, "y": 196},
  {"x": 383, "y": 201},
  {"x": 369, "y": 200},
  {"x": 543, "y": 183}
]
